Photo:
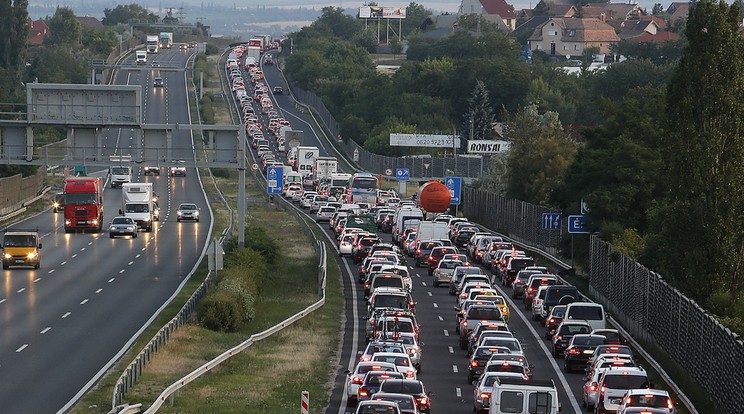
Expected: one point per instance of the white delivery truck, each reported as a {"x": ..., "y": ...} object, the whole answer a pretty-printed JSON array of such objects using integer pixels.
[
  {"x": 141, "y": 56},
  {"x": 305, "y": 162},
  {"x": 431, "y": 230},
  {"x": 137, "y": 200},
  {"x": 118, "y": 172},
  {"x": 152, "y": 44},
  {"x": 324, "y": 168},
  {"x": 402, "y": 215}
]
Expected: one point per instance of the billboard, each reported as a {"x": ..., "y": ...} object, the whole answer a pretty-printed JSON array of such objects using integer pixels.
[
  {"x": 424, "y": 140},
  {"x": 379, "y": 12},
  {"x": 488, "y": 146}
]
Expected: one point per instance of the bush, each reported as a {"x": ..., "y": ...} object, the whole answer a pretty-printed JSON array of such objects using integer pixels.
[
  {"x": 224, "y": 172},
  {"x": 207, "y": 109},
  {"x": 212, "y": 49},
  {"x": 243, "y": 286},
  {"x": 220, "y": 311},
  {"x": 257, "y": 239}
]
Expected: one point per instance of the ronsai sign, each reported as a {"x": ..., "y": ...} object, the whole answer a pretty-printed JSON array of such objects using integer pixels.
[{"x": 488, "y": 147}]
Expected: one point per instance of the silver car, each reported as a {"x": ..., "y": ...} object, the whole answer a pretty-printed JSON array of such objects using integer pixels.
[
  {"x": 324, "y": 214},
  {"x": 123, "y": 226},
  {"x": 187, "y": 211}
]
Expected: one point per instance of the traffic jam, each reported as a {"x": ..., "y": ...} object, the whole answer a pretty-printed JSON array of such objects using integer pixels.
[{"x": 399, "y": 248}]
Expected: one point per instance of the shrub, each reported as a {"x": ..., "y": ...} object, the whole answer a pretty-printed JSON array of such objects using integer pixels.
[
  {"x": 220, "y": 311},
  {"x": 212, "y": 49},
  {"x": 241, "y": 284},
  {"x": 224, "y": 172},
  {"x": 257, "y": 239}
]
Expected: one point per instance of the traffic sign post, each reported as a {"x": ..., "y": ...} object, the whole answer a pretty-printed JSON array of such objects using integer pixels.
[
  {"x": 403, "y": 174},
  {"x": 274, "y": 180},
  {"x": 576, "y": 224},
  {"x": 551, "y": 221},
  {"x": 454, "y": 185}
]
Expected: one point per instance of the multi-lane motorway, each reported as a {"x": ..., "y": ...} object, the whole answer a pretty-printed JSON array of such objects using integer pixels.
[
  {"x": 63, "y": 325},
  {"x": 444, "y": 366}
]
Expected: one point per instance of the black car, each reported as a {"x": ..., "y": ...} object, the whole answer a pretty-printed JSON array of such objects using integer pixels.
[
  {"x": 278, "y": 90},
  {"x": 565, "y": 332},
  {"x": 580, "y": 349},
  {"x": 411, "y": 387},
  {"x": 362, "y": 248}
]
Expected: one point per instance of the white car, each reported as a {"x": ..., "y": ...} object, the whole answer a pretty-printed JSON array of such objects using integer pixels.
[
  {"x": 399, "y": 270},
  {"x": 402, "y": 362},
  {"x": 345, "y": 245},
  {"x": 354, "y": 379},
  {"x": 324, "y": 214},
  {"x": 647, "y": 398},
  {"x": 410, "y": 342}
]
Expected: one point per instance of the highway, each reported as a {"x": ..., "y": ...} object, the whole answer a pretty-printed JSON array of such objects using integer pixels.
[
  {"x": 444, "y": 365},
  {"x": 64, "y": 325}
]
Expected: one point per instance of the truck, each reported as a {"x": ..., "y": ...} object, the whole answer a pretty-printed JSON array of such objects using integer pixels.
[
  {"x": 323, "y": 169},
  {"x": 254, "y": 49},
  {"x": 138, "y": 202},
  {"x": 120, "y": 174},
  {"x": 152, "y": 44},
  {"x": 513, "y": 392},
  {"x": 402, "y": 215},
  {"x": 305, "y": 161},
  {"x": 21, "y": 248},
  {"x": 141, "y": 57},
  {"x": 166, "y": 40},
  {"x": 431, "y": 230},
  {"x": 83, "y": 204},
  {"x": 339, "y": 182}
]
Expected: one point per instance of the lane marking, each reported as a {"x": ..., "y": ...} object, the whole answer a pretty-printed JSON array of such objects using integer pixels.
[
  {"x": 451, "y": 350},
  {"x": 435, "y": 305},
  {"x": 66, "y": 315},
  {"x": 22, "y": 348},
  {"x": 428, "y": 293},
  {"x": 51, "y": 271},
  {"x": 111, "y": 280},
  {"x": 121, "y": 271},
  {"x": 440, "y": 318},
  {"x": 446, "y": 332},
  {"x": 130, "y": 263},
  {"x": 74, "y": 255},
  {"x": 3, "y": 301},
  {"x": 99, "y": 290},
  {"x": 84, "y": 302},
  {"x": 47, "y": 329},
  {"x": 82, "y": 249},
  {"x": 458, "y": 392},
  {"x": 63, "y": 263},
  {"x": 21, "y": 290},
  {"x": 37, "y": 279},
  {"x": 454, "y": 369}
]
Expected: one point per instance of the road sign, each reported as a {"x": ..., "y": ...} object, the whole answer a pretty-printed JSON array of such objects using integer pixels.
[
  {"x": 274, "y": 180},
  {"x": 551, "y": 221},
  {"x": 403, "y": 174},
  {"x": 388, "y": 172},
  {"x": 454, "y": 184},
  {"x": 584, "y": 208},
  {"x": 576, "y": 225}
]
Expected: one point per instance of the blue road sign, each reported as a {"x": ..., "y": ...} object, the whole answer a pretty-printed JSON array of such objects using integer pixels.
[
  {"x": 576, "y": 225},
  {"x": 584, "y": 208},
  {"x": 454, "y": 184},
  {"x": 551, "y": 221},
  {"x": 403, "y": 174},
  {"x": 274, "y": 180}
]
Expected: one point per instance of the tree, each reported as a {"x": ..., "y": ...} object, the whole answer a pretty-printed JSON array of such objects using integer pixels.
[
  {"x": 658, "y": 9},
  {"x": 416, "y": 16},
  {"x": 122, "y": 14},
  {"x": 540, "y": 154},
  {"x": 478, "y": 122},
  {"x": 14, "y": 33},
  {"x": 64, "y": 28},
  {"x": 700, "y": 234}
]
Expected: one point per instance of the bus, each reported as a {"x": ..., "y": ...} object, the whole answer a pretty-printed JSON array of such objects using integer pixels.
[{"x": 363, "y": 188}]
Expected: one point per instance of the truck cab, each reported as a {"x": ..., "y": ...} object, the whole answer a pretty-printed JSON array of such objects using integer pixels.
[
  {"x": 21, "y": 248},
  {"x": 141, "y": 56}
]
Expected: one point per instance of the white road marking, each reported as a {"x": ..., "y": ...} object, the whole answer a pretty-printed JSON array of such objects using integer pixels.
[
  {"x": 111, "y": 280},
  {"x": 47, "y": 329},
  {"x": 440, "y": 318},
  {"x": 74, "y": 255},
  {"x": 454, "y": 369},
  {"x": 89, "y": 243},
  {"x": 435, "y": 305},
  {"x": 446, "y": 332},
  {"x": 121, "y": 271},
  {"x": 84, "y": 302},
  {"x": 51, "y": 271},
  {"x": 37, "y": 279},
  {"x": 22, "y": 348},
  {"x": 20, "y": 290},
  {"x": 458, "y": 392},
  {"x": 424, "y": 285},
  {"x": 63, "y": 263},
  {"x": 66, "y": 315},
  {"x": 130, "y": 263},
  {"x": 428, "y": 293},
  {"x": 451, "y": 350},
  {"x": 82, "y": 249},
  {"x": 2, "y": 301},
  {"x": 137, "y": 256},
  {"x": 99, "y": 290}
]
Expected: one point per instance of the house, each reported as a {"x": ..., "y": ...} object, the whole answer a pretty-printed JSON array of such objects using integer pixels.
[
  {"x": 616, "y": 11},
  {"x": 678, "y": 11},
  {"x": 37, "y": 32},
  {"x": 643, "y": 29},
  {"x": 561, "y": 36},
  {"x": 90, "y": 22},
  {"x": 552, "y": 10},
  {"x": 494, "y": 10}
]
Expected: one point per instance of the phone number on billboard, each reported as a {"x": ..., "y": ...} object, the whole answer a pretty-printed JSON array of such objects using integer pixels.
[{"x": 432, "y": 142}]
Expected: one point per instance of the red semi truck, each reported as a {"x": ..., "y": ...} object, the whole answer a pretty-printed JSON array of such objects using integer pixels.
[{"x": 83, "y": 204}]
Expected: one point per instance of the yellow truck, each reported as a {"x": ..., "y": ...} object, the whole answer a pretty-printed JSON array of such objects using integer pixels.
[{"x": 21, "y": 248}]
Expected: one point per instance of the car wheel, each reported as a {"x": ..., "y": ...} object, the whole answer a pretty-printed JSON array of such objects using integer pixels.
[
  {"x": 197, "y": 220},
  {"x": 6, "y": 266},
  {"x": 556, "y": 353},
  {"x": 178, "y": 220},
  {"x": 134, "y": 236},
  {"x": 111, "y": 235},
  {"x": 436, "y": 284},
  {"x": 37, "y": 265}
]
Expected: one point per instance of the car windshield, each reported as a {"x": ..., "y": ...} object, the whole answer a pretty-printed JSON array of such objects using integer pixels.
[
  {"x": 187, "y": 207},
  {"x": 588, "y": 340},
  {"x": 586, "y": 313},
  {"x": 575, "y": 329},
  {"x": 510, "y": 343},
  {"x": 405, "y": 403},
  {"x": 449, "y": 265},
  {"x": 483, "y": 351},
  {"x": 625, "y": 382},
  {"x": 19, "y": 241},
  {"x": 80, "y": 198},
  {"x": 647, "y": 400},
  {"x": 401, "y": 387},
  {"x": 388, "y": 281},
  {"x": 391, "y": 301},
  {"x": 137, "y": 208},
  {"x": 400, "y": 361},
  {"x": 484, "y": 313},
  {"x": 121, "y": 220}
]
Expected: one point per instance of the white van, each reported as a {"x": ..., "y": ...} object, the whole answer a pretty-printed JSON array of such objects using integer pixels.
[
  {"x": 141, "y": 56},
  {"x": 593, "y": 313},
  {"x": 512, "y": 395}
]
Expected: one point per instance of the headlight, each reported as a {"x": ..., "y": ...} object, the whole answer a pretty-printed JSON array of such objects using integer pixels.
[
  {"x": 180, "y": 213},
  {"x": 56, "y": 205},
  {"x": 7, "y": 256},
  {"x": 31, "y": 255},
  {"x": 112, "y": 228},
  {"x": 196, "y": 213},
  {"x": 147, "y": 219},
  {"x": 95, "y": 222}
]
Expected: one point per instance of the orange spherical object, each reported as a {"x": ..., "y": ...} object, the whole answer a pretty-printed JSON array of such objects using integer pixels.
[{"x": 434, "y": 197}]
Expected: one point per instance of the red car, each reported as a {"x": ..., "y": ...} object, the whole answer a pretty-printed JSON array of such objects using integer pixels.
[{"x": 436, "y": 255}]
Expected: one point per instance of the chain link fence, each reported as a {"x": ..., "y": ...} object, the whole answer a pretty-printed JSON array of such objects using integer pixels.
[
  {"x": 420, "y": 167},
  {"x": 651, "y": 309}
]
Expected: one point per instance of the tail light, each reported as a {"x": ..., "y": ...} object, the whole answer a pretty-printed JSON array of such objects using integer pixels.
[
  {"x": 485, "y": 395},
  {"x": 363, "y": 392},
  {"x": 670, "y": 405},
  {"x": 559, "y": 337},
  {"x": 423, "y": 400},
  {"x": 409, "y": 374},
  {"x": 574, "y": 351},
  {"x": 474, "y": 363},
  {"x": 551, "y": 320},
  {"x": 593, "y": 387},
  {"x": 366, "y": 358},
  {"x": 356, "y": 380},
  {"x": 530, "y": 290}
]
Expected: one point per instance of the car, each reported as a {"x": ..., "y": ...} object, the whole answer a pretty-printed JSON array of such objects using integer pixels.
[
  {"x": 410, "y": 387},
  {"x": 580, "y": 349},
  {"x": 371, "y": 383},
  {"x": 381, "y": 346},
  {"x": 443, "y": 272},
  {"x": 565, "y": 331},
  {"x": 157, "y": 82},
  {"x": 377, "y": 407},
  {"x": 406, "y": 403},
  {"x": 278, "y": 90},
  {"x": 149, "y": 170},
  {"x": 187, "y": 211},
  {"x": 58, "y": 202},
  {"x": 123, "y": 226},
  {"x": 410, "y": 342},
  {"x": 324, "y": 214},
  {"x": 553, "y": 320},
  {"x": 615, "y": 383},
  {"x": 647, "y": 398},
  {"x": 402, "y": 362},
  {"x": 178, "y": 169},
  {"x": 482, "y": 392},
  {"x": 480, "y": 357},
  {"x": 183, "y": 46}
]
